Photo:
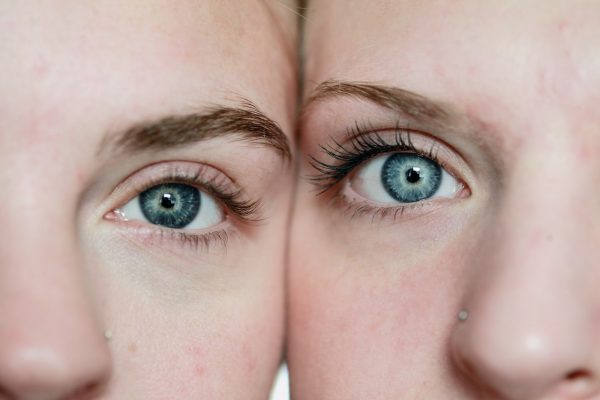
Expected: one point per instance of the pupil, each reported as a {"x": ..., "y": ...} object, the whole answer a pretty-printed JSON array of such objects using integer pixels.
[
  {"x": 167, "y": 200},
  {"x": 413, "y": 175}
]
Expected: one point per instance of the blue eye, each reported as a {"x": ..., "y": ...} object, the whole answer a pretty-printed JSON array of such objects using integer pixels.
[
  {"x": 174, "y": 205},
  {"x": 403, "y": 178},
  {"x": 409, "y": 178}
]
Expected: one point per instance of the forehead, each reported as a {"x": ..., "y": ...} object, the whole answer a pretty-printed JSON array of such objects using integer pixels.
[
  {"x": 109, "y": 57},
  {"x": 461, "y": 50}
]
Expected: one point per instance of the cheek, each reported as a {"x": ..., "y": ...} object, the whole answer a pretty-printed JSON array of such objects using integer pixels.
[
  {"x": 191, "y": 361},
  {"x": 394, "y": 303},
  {"x": 366, "y": 317},
  {"x": 213, "y": 344}
]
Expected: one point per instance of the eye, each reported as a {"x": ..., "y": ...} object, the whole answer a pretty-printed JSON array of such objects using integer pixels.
[
  {"x": 174, "y": 205},
  {"x": 403, "y": 178}
]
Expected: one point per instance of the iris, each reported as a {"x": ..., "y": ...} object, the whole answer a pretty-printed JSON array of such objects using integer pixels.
[
  {"x": 173, "y": 205},
  {"x": 409, "y": 178}
]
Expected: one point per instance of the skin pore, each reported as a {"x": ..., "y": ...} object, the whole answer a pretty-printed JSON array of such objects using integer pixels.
[
  {"x": 503, "y": 96},
  {"x": 102, "y": 101}
]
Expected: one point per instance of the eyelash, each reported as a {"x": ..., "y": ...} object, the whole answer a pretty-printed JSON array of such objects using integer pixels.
[
  {"x": 364, "y": 145},
  {"x": 234, "y": 202}
]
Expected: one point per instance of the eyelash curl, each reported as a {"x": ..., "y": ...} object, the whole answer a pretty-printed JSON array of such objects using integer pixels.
[
  {"x": 233, "y": 201},
  {"x": 364, "y": 144}
]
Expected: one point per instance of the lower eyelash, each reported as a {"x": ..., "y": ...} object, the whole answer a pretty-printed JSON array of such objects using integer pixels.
[
  {"x": 156, "y": 235},
  {"x": 375, "y": 212},
  {"x": 358, "y": 209},
  {"x": 238, "y": 210},
  {"x": 197, "y": 241},
  {"x": 362, "y": 147}
]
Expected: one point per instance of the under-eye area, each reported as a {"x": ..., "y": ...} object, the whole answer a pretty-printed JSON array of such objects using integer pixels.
[
  {"x": 382, "y": 173},
  {"x": 182, "y": 202}
]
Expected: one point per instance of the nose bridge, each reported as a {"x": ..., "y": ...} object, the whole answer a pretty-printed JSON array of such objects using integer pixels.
[
  {"x": 531, "y": 313},
  {"x": 51, "y": 345}
]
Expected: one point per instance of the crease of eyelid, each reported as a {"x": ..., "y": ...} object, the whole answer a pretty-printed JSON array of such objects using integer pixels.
[
  {"x": 437, "y": 115},
  {"x": 244, "y": 122}
]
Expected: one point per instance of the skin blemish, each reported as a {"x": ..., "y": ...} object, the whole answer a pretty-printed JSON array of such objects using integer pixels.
[
  {"x": 40, "y": 69},
  {"x": 249, "y": 358},
  {"x": 132, "y": 347},
  {"x": 585, "y": 153},
  {"x": 563, "y": 25},
  {"x": 539, "y": 236},
  {"x": 197, "y": 354}
]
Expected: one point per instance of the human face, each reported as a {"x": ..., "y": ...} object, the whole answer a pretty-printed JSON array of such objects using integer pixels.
[
  {"x": 101, "y": 101},
  {"x": 503, "y": 96}
]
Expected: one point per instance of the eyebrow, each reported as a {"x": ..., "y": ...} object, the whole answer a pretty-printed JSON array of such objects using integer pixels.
[
  {"x": 412, "y": 104},
  {"x": 244, "y": 122}
]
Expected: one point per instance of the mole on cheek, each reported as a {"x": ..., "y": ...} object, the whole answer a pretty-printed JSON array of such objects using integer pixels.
[{"x": 132, "y": 347}]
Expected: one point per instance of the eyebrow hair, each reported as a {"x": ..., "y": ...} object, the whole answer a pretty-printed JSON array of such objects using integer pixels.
[
  {"x": 246, "y": 122},
  {"x": 393, "y": 98}
]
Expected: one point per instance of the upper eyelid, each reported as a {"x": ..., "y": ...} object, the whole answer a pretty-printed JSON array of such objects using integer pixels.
[
  {"x": 155, "y": 173},
  {"x": 323, "y": 180},
  {"x": 188, "y": 172}
]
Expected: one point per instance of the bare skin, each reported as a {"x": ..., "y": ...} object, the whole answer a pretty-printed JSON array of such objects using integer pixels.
[
  {"x": 188, "y": 315},
  {"x": 506, "y": 94}
]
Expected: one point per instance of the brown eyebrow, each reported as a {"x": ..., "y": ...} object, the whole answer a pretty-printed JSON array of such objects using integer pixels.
[
  {"x": 246, "y": 122},
  {"x": 393, "y": 98}
]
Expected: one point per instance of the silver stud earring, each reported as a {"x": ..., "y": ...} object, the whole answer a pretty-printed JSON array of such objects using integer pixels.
[
  {"x": 463, "y": 315},
  {"x": 108, "y": 334}
]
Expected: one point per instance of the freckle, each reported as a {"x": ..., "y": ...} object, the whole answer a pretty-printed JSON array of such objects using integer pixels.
[
  {"x": 199, "y": 370},
  {"x": 584, "y": 153},
  {"x": 562, "y": 26},
  {"x": 132, "y": 347},
  {"x": 40, "y": 69},
  {"x": 80, "y": 178},
  {"x": 537, "y": 237},
  {"x": 247, "y": 354},
  {"x": 439, "y": 70},
  {"x": 196, "y": 353}
]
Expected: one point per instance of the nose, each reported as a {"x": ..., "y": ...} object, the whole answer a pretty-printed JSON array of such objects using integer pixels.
[
  {"x": 532, "y": 326},
  {"x": 51, "y": 346}
]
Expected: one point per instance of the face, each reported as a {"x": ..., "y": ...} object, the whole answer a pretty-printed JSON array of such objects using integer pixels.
[
  {"x": 451, "y": 150},
  {"x": 146, "y": 151}
]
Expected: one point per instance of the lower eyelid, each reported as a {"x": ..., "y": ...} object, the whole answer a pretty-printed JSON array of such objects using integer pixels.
[
  {"x": 162, "y": 238},
  {"x": 372, "y": 212},
  {"x": 219, "y": 191}
]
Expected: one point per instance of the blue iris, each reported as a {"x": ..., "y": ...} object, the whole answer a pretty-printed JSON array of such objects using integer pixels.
[
  {"x": 173, "y": 205},
  {"x": 409, "y": 178}
]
